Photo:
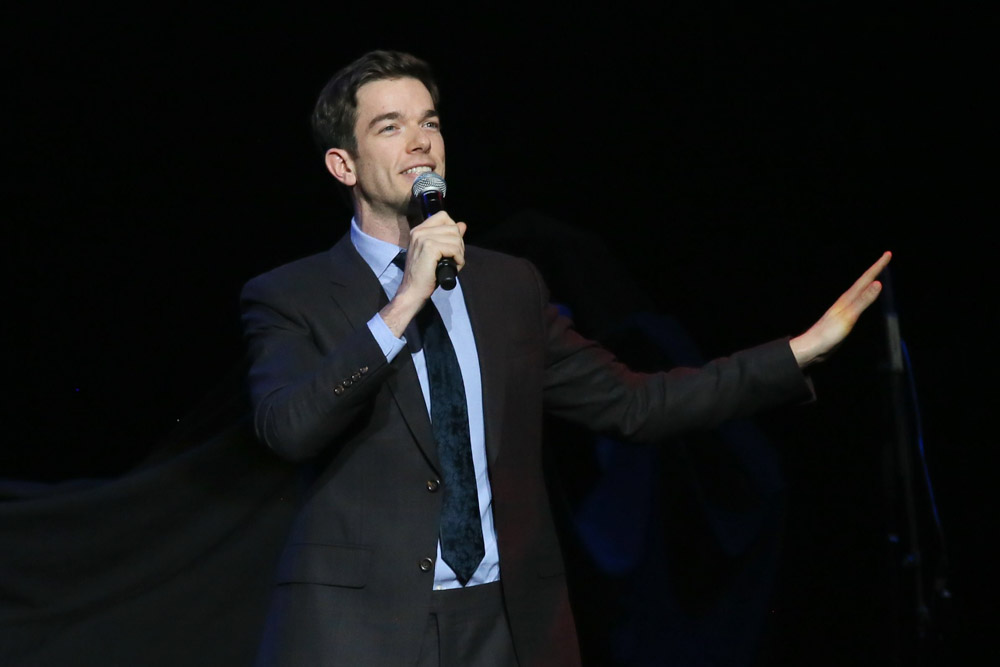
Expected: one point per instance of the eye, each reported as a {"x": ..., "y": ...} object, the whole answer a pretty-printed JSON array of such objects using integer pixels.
[
  {"x": 385, "y": 129},
  {"x": 432, "y": 124}
]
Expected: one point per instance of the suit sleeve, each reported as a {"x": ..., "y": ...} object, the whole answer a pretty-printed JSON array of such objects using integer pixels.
[
  {"x": 304, "y": 396},
  {"x": 585, "y": 384}
]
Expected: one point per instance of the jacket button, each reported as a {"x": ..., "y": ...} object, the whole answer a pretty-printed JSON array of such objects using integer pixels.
[
  {"x": 363, "y": 369},
  {"x": 426, "y": 564},
  {"x": 347, "y": 382},
  {"x": 338, "y": 390},
  {"x": 356, "y": 377},
  {"x": 433, "y": 485}
]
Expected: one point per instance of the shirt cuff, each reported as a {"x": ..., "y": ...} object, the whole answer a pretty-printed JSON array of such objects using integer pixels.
[{"x": 383, "y": 336}]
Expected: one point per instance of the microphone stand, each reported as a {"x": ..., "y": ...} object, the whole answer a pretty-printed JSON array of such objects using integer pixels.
[{"x": 909, "y": 614}]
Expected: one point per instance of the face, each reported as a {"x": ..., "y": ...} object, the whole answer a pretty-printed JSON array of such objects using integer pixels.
[{"x": 398, "y": 138}]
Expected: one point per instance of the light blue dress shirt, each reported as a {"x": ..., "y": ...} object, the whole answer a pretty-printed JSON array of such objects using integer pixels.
[{"x": 451, "y": 304}]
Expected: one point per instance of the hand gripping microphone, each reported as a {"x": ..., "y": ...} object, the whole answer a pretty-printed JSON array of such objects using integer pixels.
[{"x": 429, "y": 190}]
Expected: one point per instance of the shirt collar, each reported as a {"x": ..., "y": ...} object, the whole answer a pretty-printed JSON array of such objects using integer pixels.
[{"x": 377, "y": 254}]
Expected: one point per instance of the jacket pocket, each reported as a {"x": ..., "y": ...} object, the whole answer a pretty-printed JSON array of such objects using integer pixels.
[{"x": 326, "y": 564}]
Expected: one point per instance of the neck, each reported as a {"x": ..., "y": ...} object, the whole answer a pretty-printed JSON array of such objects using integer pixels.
[{"x": 391, "y": 227}]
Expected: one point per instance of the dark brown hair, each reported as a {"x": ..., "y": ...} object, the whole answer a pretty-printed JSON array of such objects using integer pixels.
[{"x": 336, "y": 111}]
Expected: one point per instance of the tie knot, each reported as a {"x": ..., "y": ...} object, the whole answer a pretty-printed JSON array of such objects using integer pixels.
[{"x": 400, "y": 259}]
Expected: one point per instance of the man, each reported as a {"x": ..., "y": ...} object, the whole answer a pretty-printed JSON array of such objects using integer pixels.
[{"x": 345, "y": 366}]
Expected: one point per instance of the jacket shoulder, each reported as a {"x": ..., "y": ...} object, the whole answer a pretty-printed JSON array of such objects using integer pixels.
[
  {"x": 292, "y": 273},
  {"x": 493, "y": 260}
]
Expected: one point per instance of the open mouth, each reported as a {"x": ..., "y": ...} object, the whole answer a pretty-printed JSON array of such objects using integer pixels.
[{"x": 422, "y": 169}]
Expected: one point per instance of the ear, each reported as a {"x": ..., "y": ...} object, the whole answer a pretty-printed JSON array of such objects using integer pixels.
[{"x": 340, "y": 163}]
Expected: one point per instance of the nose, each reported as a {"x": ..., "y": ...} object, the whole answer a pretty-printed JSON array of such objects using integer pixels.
[{"x": 420, "y": 141}]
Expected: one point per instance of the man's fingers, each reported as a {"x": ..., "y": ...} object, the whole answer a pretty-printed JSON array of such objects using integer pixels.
[
  {"x": 871, "y": 292},
  {"x": 831, "y": 329},
  {"x": 865, "y": 289},
  {"x": 868, "y": 277},
  {"x": 438, "y": 236},
  {"x": 860, "y": 303}
]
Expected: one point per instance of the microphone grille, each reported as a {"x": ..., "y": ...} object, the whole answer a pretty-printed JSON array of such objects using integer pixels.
[{"x": 429, "y": 182}]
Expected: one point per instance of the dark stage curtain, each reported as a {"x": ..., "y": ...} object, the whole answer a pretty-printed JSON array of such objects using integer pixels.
[{"x": 169, "y": 564}]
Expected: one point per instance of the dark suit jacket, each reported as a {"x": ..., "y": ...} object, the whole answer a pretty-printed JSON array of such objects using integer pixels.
[{"x": 354, "y": 584}]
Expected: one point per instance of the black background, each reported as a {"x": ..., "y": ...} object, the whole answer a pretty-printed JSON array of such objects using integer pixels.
[{"x": 744, "y": 164}]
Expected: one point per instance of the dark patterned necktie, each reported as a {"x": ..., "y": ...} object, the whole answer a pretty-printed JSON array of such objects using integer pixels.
[{"x": 462, "y": 545}]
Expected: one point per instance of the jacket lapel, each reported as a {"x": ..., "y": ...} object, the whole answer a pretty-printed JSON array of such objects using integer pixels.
[
  {"x": 357, "y": 293},
  {"x": 492, "y": 366}
]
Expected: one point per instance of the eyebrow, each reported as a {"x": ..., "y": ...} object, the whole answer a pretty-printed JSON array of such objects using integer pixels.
[{"x": 395, "y": 115}]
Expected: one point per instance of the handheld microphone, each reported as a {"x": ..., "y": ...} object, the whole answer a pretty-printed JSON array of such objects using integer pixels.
[{"x": 429, "y": 190}]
